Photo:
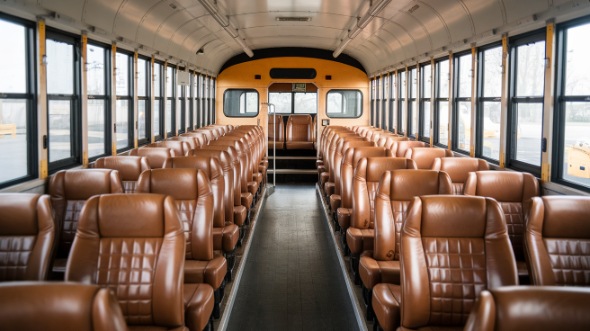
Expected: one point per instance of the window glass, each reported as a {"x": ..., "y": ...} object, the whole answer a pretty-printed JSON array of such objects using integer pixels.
[
  {"x": 142, "y": 77},
  {"x": 60, "y": 67},
  {"x": 156, "y": 122},
  {"x": 13, "y": 137},
  {"x": 491, "y": 130},
  {"x": 426, "y": 81},
  {"x": 443, "y": 79},
  {"x": 530, "y": 76},
  {"x": 96, "y": 127},
  {"x": 169, "y": 81},
  {"x": 141, "y": 119},
  {"x": 306, "y": 103},
  {"x": 529, "y": 132},
  {"x": 402, "y": 110},
  {"x": 157, "y": 80},
  {"x": 96, "y": 70},
  {"x": 412, "y": 103},
  {"x": 344, "y": 104},
  {"x": 464, "y": 125},
  {"x": 443, "y": 122},
  {"x": 122, "y": 74},
  {"x": 464, "y": 77},
  {"x": 426, "y": 89},
  {"x": 577, "y": 75},
  {"x": 240, "y": 103},
  {"x": 442, "y": 103},
  {"x": 168, "y": 115},
  {"x": 60, "y": 129},
  {"x": 489, "y": 112},
  {"x": 426, "y": 120},
  {"x": 281, "y": 101},
  {"x": 13, "y": 63},
  {"x": 122, "y": 123}
]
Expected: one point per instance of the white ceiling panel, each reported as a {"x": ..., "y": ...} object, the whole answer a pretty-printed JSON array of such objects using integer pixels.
[{"x": 403, "y": 32}]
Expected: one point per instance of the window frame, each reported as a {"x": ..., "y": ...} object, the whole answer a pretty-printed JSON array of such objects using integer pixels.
[
  {"x": 245, "y": 90},
  {"x": 30, "y": 95},
  {"x": 457, "y": 100},
  {"x": 402, "y": 95},
  {"x": 147, "y": 99},
  {"x": 425, "y": 99},
  {"x": 75, "y": 99},
  {"x": 129, "y": 99},
  {"x": 438, "y": 100},
  {"x": 106, "y": 98},
  {"x": 345, "y": 90}
]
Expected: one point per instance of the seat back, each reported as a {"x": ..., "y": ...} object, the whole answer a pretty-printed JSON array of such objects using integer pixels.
[
  {"x": 190, "y": 140},
  {"x": 514, "y": 308},
  {"x": 69, "y": 190},
  {"x": 276, "y": 131},
  {"x": 396, "y": 190},
  {"x": 513, "y": 190},
  {"x": 199, "y": 137},
  {"x": 129, "y": 168},
  {"x": 59, "y": 306},
  {"x": 452, "y": 248},
  {"x": 156, "y": 156},
  {"x": 134, "y": 245},
  {"x": 194, "y": 201},
  {"x": 351, "y": 158},
  {"x": 459, "y": 168},
  {"x": 339, "y": 155},
  {"x": 557, "y": 240},
  {"x": 365, "y": 183},
  {"x": 27, "y": 236},
  {"x": 298, "y": 133},
  {"x": 388, "y": 140},
  {"x": 424, "y": 156},
  {"x": 400, "y": 147},
  {"x": 180, "y": 148},
  {"x": 222, "y": 209}
]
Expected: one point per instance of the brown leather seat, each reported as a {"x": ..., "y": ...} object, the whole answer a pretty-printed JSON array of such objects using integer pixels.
[
  {"x": 195, "y": 200},
  {"x": 192, "y": 142},
  {"x": 458, "y": 169},
  {"x": 69, "y": 190},
  {"x": 557, "y": 240},
  {"x": 129, "y": 168},
  {"x": 199, "y": 137},
  {"x": 393, "y": 195},
  {"x": 59, "y": 306},
  {"x": 452, "y": 248},
  {"x": 27, "y": 236},
  {"x": 180, "y": 148},
  {"x": 134, "y": 245},
  {"x": 276, "y": 132},
  {"x": 156, "y": 156},
  {"x": 250, "y": 176},
  {"x": 513, "y": 190},
  {"x": 351, "y": 158},
  {"x": 424, "y": 156},
  {"x": 329, "y": 149},
  {"x": 399, "y": 148},
  {"x": 539, "y": 308},
  {"x": 342, "y": 144},
  {"x": 225, "y": 233},
  {"x": 298, "y": 134},
  {"x": 388, "y": 140}
]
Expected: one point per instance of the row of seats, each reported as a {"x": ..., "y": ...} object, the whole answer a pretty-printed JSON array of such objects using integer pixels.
[
  {"x": 380, "y": 250},
  {"x": 298, "y": 134},
  {"x": 205, "y": 189}
]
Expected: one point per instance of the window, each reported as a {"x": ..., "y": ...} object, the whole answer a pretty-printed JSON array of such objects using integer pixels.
[
  {"x": 157, "y": 128},
  {"x": 143, "y": 100},
  {"x": 384, "y": 101},
  {"x": 573, "y": 106},
  {"x": 412, "y": 110},
  {"x": 392, "y": 89},
  {"x": 193, "y": 101},
  {"x": 373, "y": 99},
  {"x": 170, "y": 114},
  {"x": 206, "y": 118},
  {"x": 527, "y": 77},
  {"x": 240, "y": 103},
  {"x": 441, "y": 129},
  {"x": 401, "y": 102},
  {"x": 17, "y": 123},
  {"x": 378, "y": 97},
  {"x": 425, "y": 95},
  {"x": 181, "y": 107},
  {"x": 489, "y": 106},
  {"x": 344, "y": 104},
  {"x": 98, "y": 101},
  {"x": 63, "y": 72},
  {"x": 305, "y": 103},
  {"x": 124, "y": 107},
  {"x": 212, "y": 101},
  {"x": 462, "y": 105}
]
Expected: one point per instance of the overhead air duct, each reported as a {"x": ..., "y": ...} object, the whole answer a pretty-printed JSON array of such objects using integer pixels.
[
  {"x": 360, "y": 24},
  {"x": 225, "y": 23}
]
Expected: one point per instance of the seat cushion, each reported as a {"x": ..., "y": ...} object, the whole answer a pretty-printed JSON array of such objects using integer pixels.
[
  {"x": 373, "y": 272},
  {"x": 386, "y": 305},
  {"x": 198, "y": 305}
]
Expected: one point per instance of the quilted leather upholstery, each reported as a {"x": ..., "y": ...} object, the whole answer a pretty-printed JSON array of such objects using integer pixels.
[
  {"x": 424, "y": 156},
  {"x": 129, "y": 168},
  {"x": 458, "y": 169},
  {"x": 27, "y": 236},
  {"x": 298, "y": 133},
  {"x": 557, "y": 241}
]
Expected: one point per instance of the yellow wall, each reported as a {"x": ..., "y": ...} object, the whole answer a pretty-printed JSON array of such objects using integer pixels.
[{"x": 242, "y": 76}]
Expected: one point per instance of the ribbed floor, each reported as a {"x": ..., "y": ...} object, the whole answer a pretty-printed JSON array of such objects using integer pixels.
[{"x": 292, "y": 280}]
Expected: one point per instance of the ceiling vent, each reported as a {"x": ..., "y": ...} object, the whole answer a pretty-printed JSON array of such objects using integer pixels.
[{"x": 293, "y": 18}]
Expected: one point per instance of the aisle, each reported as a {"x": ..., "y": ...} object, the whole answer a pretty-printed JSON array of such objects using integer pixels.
[{"x": 292, "y": 280}]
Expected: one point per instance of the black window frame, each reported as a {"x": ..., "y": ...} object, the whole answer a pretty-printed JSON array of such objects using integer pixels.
[
  {"x": 245, "y": 90},
  {"x": 147, "y": 99},
  {"x": 106, "y": 98},
  {"x": 423, "y": 99},
  {"x": 31, "y": 98},
  {"x": 457, "y": 100},
  {"x": 345, "y": 90},
  {"x": 129, "y": 98},
  {"x": 437, "y": 100}
]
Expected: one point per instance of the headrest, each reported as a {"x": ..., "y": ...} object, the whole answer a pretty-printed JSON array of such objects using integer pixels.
[
  {"x": 400, "y": 147},
  {"x": 228, "y": 149},
  {"x": 459, "y": 168},
  {"x": 191, "y": 141},
  {"x": 180, "y": 183},
  {"x": 372, "y": 168},
  {"x": 180, "y": 148},
  {"x": 300, "y": 119},
  {"x": 404, "y": 185},
  {"x": 199, "y": 136},
  {"x": 360, "y": 152},
  {"x": 129, "y": 167},
  {"x": 129, "y": 216},
  {"x": 424, "y": 156},
  {"x": 207, "y": 164},
  {"x": 81, "y": 184},
  {"x": 504, "y": 186},
  {"x": 155, "y": 155},
  {"x": 360, "y": 142},
  {"x": 564, "y": 216},
  {"x": 223, "y": 157},
  {"x": 19, "y": 213}
]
